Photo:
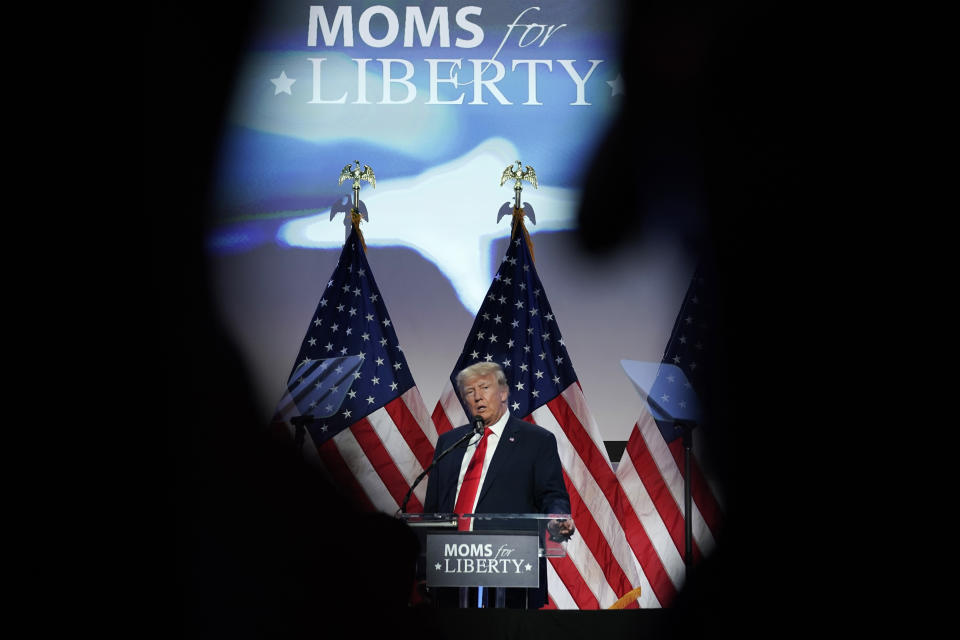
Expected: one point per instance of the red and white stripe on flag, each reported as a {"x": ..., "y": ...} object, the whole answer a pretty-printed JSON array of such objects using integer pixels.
[
  {"x": 651, "y": 476},
  {"x": 378, "y": 457}
]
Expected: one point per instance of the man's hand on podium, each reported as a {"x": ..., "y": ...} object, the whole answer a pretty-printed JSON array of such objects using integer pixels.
[{"x": 560, "y": 530}]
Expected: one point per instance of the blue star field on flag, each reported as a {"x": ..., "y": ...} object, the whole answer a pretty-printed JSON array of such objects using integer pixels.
[
  {"x": 350, "y": 353},
  {"x": 515, "y": 327},
  {"x": 689, "y": 350}
]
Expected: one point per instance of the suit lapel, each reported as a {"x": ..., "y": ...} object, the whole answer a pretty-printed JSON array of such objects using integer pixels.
[
  {"x": 506, "y": 448},
  {"x": 451, "y": 473}
]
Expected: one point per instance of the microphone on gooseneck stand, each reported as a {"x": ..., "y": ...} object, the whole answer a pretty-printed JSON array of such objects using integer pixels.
[{"x": 477, "y": 429}]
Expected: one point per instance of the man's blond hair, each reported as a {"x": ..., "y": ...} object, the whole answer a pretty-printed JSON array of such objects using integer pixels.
[{"x": 481, "y": 369}]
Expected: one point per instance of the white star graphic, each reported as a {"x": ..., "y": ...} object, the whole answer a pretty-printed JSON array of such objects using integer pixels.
[
  {"x": 282, "y": 84},
  {"x": 616, "y": 86}
]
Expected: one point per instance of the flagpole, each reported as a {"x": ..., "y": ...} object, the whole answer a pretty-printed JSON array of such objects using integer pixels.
[{"x": 687, "y": 500}]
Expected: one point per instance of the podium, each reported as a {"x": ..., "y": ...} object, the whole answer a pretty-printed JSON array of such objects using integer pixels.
[{"x": 502, "y": 551}]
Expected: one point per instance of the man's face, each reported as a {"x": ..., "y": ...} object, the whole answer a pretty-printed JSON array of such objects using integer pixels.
[{"x": 485, "y": 398}]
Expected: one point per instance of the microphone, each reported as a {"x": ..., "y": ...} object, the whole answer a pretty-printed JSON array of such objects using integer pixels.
[{"x": 477, "y": 428}]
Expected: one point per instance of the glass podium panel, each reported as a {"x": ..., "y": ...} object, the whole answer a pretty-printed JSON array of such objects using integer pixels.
[{"x": 486, "y": 553}]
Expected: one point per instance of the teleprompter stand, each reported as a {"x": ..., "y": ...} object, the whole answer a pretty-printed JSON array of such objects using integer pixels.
[{"x": 651, "y": 379}]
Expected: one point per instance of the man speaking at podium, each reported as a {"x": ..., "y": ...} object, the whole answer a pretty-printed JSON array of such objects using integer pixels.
[{"x": 513, "y": 467}]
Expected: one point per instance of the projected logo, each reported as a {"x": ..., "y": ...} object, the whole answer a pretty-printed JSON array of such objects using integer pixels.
[{"x": 438, "y": 100}]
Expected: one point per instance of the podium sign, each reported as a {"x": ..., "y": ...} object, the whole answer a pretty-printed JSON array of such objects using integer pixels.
[{"x": 468, "y": 559}]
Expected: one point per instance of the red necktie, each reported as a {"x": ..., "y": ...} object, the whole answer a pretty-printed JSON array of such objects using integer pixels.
[{"x": 471, "y": 483}]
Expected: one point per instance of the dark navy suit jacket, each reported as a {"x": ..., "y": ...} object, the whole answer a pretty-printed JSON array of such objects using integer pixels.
[{"x": 525, "y": 476}]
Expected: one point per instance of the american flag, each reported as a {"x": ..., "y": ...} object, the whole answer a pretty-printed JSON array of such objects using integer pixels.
[
  {"x": 516, "y": 327},
  {"x": 651, "y": 470},
  {"x": 370, "y": 430}
]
